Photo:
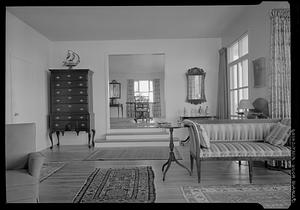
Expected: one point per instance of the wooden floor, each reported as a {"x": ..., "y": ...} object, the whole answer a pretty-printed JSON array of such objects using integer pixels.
[{"x": 62, "y": 186}]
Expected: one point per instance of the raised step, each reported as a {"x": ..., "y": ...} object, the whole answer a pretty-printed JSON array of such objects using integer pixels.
[
  {"x": 138, "y": 135},
  {"x": 135, "y": 143},
  {"x": 137, "y": 130}
]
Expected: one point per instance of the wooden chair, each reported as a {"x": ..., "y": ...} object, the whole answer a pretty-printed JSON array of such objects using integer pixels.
[{"x": 142, "y": 108}]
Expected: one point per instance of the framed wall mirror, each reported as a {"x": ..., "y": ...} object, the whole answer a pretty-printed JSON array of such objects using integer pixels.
[
  {"x": 195, "y": 86},
  {"x": 114, "y": 91}
]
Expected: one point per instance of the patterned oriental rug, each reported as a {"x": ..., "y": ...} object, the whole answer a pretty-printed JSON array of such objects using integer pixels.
[
  {"x": 133, "y": 153},
  {"x": 50, "y": 168},
  {"x": 118, "y": 185},
  {"x": 269, "y": 196}
]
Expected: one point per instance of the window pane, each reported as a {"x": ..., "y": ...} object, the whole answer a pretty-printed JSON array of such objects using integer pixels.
[
  {"x": 151, "y": 85},
  {"x": 145, "y": 95},
  {"x": 231, "y": 77},
  {"x": 240, "y": 73},
  {"x": 235, "y": 52},
  {"x": 235, "y": 101},
  {"x": 234, "y": 76},
  {"x": 144, "y": 85},
  {"x": 151, "y": 97},
  {"x": 245, "y": 72},
  {"x": 240, "y": 94},
  {"x": 245, "y": 93},
  {"x": 243, "y": 46},
  {"x": 136, "y": 86},
  {"x": 231, "y": 103}
]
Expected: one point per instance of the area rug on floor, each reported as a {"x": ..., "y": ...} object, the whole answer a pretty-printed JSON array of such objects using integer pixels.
[
  {"x": 133, "y": 153},
  {"x": 50, "y": 168},
  {"x": 269, "y": 196},
  {"x": 118, "y": 185}
]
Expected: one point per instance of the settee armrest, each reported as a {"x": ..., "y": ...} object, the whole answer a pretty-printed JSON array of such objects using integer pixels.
[{"x": 35, "y": 163}]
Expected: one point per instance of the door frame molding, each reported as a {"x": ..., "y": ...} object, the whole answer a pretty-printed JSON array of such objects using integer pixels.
[{"x": 106, "y": 76}]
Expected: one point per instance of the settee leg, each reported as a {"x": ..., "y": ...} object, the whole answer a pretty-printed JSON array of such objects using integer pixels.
[
  {"x": 250, "y": 164},
  {"x": 198, "y": 164},
  {"x": 192, "y": 163}
]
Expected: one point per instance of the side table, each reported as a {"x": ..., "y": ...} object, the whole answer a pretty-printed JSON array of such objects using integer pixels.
[{"x": 171, "y": 154}]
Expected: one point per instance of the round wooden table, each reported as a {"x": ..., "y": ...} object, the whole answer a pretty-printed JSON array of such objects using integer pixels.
[{"x": 171, "y": 154}]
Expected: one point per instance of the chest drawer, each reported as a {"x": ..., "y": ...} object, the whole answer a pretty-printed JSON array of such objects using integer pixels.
[
  {"x": 69, "y": 108},
  {"x": 70, "y": 76},
  {"x": 59, "y": 117},
  {"x": 70, "y": 125},
  {"x": 70, "y": 91},
  {"x": 70, "y": 99},
  {"x": 67, "y": 84}
]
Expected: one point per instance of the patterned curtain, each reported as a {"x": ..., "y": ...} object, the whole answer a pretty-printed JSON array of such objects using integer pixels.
[
  {"x": 130, "y": 98},
  {"x": 280, "y": 64},
  {"x": 280, "y": 70},
  {"x": 156, "y": 109},
  {"x": 223, "y": 95}
]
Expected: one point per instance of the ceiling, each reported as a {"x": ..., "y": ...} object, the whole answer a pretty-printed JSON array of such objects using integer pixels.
[{"x": 79, "y": 23}]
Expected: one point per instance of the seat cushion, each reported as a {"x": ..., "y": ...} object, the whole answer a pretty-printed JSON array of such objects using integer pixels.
[
  {"x": 244, "y": 149},
  {"x": 21, "y": 186},
  {"x": 278, "y": 135}
]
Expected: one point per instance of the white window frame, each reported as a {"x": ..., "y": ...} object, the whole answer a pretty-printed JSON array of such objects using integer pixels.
[
  {"x": 136, "y": 92},
  {"x": 240, "y": 59}
]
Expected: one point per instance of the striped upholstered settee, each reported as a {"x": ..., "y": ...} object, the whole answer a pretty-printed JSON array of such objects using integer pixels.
[{"x": 236, "y": 140}]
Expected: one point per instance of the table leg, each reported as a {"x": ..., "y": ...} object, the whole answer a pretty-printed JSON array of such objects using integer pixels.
[
  {"x": 93, "y": 138},
  {"x": 122, "y": 109},
  {"x": 57, "y": 134},
  {"x": 51, "y": 139},
  {"x": 89, "y": 136},
  {"x": 172, "y": 157},
  {"x": 168, "y": 166}
]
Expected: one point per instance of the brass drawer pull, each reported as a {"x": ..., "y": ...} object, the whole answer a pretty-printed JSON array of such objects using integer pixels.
[
  {"x": 81, "y": 100},
  {"x": 69, "y": 83},
  {"x": 57, "y": 77},
  {"x": 80, "y": 77},
  {"x": 82, "y": 124},
  {"x": 81, "y": 117},
  {"x": 56, "y": 125},
  {"x": 58, "y": 109},
  {"x": 57, "y": 118},
  {"x": 57, "y": 92},
  {"x": 69, "y": 106},
  {"x": 57, "y": 85},
  {"x": 80, "y": 84},
  {"x": 81, "y": 92},
  {"x": 69, "y": 75},
  {"x": 58, "y": 100},
  {"x": 69, "y": 90},
  {"x": 81, "y": 109},
  {"x": 69, "y": 117},
  {"x": 70, "y": 97}
]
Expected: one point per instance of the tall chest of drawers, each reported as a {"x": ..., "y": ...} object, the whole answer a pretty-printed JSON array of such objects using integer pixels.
[{"x": 71, "y": 103}]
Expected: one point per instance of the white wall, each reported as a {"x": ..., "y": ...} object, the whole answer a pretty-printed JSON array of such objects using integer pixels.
[
  {"x": 180, "y": 55},
  {"x": 256, "y": 22},
  {"x": 24, "y": 44}
]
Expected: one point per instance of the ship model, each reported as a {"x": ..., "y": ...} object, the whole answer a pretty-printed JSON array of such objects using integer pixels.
[{"x": 71, "y": 60}]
